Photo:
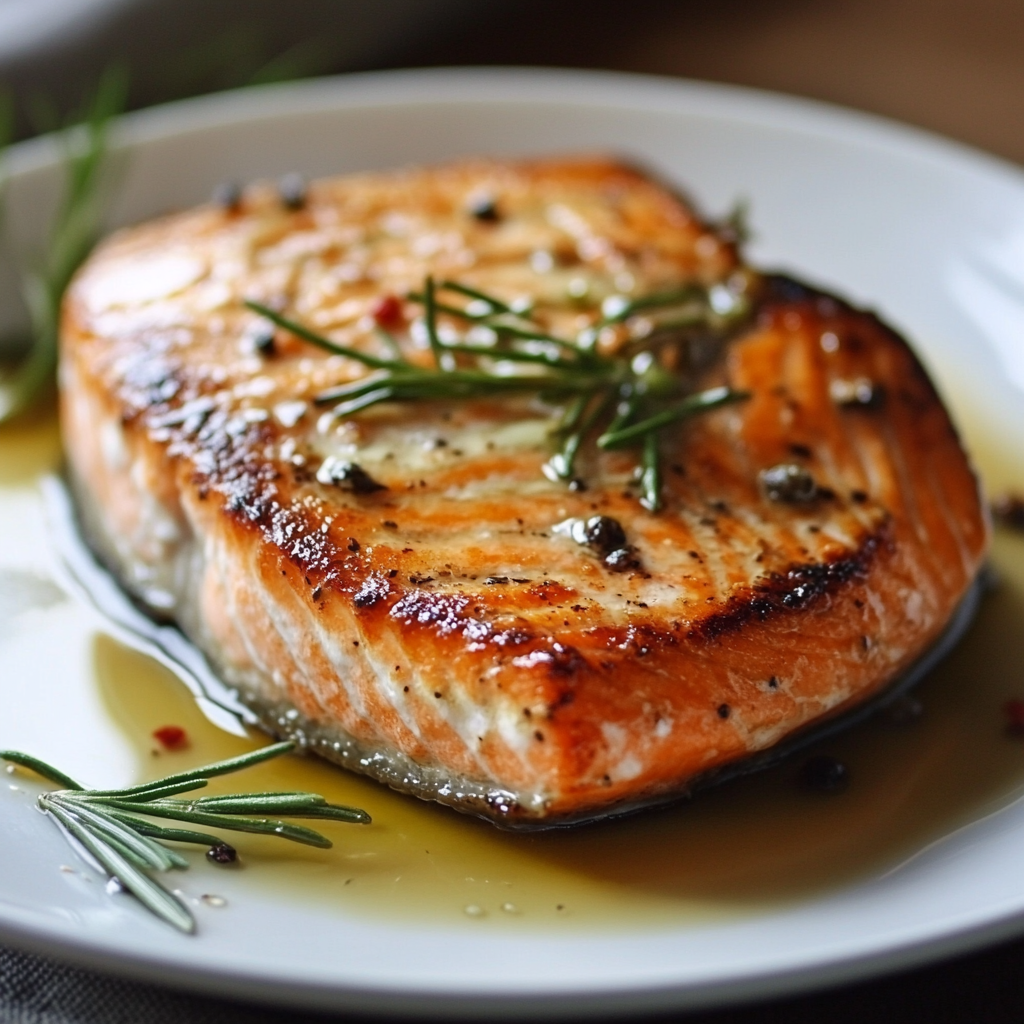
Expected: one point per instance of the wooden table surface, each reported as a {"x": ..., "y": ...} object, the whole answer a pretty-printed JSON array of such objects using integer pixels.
[{"x": 953, "y": 66}]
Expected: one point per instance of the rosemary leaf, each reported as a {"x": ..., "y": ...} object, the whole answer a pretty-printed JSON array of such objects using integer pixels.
[
  {"x": 650, "y": 476},
  {"x": 736, "y": 223},
  {"x": 209, "y": 771},
  {"x": 501, "y": 327},
  {"x": 153, "y": 793},
  {"x": 624, "y": 412},
  {"x": 149, "y": 853},
  {"x": 332, "y": 812},
  {"x": 72, "y": 236},
  {"x": 102, "y": 835},
  {"x": 292, "y": 805},
  {"x": 703, "y": 401},
  {"x": 430, "y": 316},
  {"x": 167, "y": 835},
  {"x": 183, "y": 811},
  {"x": 291, "y": 799},
  {"x": 507, "y": 330},
  {"x": 112, "y": 824},
  {"x": 674, "y": 297},
  {"x": 513, "y": 355},
  {"x": 563, "y": 462},
  {"x": 374, "y": 362},
  {"x": 475, "y": 293},
  {"x": 443, "y": 307},
  {"x": 354, "y": 405},
  {"x": 47, "y": 771},
  {"x": 148, "y": 892},
  {"x": 355, "y": 388}
]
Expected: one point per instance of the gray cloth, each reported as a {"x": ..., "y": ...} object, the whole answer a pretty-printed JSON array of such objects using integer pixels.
[
  {"x": 34, "y": 990},
  {"x": 984, "y": 988}
]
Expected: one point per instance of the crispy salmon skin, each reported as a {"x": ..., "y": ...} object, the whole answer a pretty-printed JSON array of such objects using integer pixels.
[{"x": 410, "y": 589}]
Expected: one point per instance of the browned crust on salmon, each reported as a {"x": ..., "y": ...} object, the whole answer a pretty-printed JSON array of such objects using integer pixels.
[{"x": 441, "y": 634}]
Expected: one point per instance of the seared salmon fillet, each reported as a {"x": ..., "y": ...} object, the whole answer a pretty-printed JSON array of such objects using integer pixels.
[{"x": 522, "y": 600}]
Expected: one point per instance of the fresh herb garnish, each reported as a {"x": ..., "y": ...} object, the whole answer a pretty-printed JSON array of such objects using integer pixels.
[
  {"x": 106, "y": 822},
  {"x": 73, "y": 233},
  {"x": 625, "y": 398}
]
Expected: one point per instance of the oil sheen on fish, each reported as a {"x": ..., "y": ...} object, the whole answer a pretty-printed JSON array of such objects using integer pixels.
[{"x": 406, "y": 589}]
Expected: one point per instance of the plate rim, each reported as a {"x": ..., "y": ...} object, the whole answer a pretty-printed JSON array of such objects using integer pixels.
[
  {"x": 521, "y": 85},
  {"x": 786, "y": 111},
  {"x": 419, "y": 1004}
]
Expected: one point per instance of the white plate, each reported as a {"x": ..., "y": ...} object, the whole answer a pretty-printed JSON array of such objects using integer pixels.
[{"x": 926, "y": 231}]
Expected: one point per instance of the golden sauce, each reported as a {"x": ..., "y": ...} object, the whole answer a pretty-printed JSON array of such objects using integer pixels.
[{"x": 742, "y": 849}]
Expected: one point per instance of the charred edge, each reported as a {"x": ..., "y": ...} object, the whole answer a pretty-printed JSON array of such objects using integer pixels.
[
  {"x": 150, "y": 383},
  {"x": 446, "y": 615},
  {"x": 794, "y": 590},
  {"x": 373, "y": 590},
  {"x": 561, "y": 660},
  {"x": 634, "y": 172},
  {"x": 782, "y": 290}
]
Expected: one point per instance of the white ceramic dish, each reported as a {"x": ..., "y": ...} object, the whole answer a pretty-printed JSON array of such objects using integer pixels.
[{"x": 927, "y": 231}]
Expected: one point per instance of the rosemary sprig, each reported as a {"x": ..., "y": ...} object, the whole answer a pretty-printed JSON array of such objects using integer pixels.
[
  {"x": 106, "y": 822},
  {"x": 620, "y": 435},
  {"x": 72, "y": 235},
  {"x": 632, "y": 392}
]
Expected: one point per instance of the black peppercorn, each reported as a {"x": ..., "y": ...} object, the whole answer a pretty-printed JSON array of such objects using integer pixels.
[
  {"x": 228, "y": 195},
  {"x": 484, "y": 208},
  {"x": 621, "y": 560},
  {"x": 602, "y": 533},
  {"x": 263, "y": 341},
  {"x": 222, "y": 853},
  {"x": 292, "y": 190},
  {"x": 788, "y": 482},
  {"x": 824, "y": 774},
  {"x": 349, "y": 476}
]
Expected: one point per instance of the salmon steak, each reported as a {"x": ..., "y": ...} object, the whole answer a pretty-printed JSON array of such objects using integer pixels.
[{"x": 511, "y": 484}]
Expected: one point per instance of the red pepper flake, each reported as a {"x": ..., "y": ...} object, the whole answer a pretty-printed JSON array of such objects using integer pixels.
[
  {"x": 387, "y": 311},
  {"x": 171, "y": 737}
]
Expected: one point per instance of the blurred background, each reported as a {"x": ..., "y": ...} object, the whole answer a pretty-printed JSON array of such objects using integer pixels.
[{"x": 954, "y": 66}]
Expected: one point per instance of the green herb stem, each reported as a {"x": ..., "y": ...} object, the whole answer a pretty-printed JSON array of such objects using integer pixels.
[
  {"x": 575, "y": 429},
  {"x": 587, "y": 381},
  {"x": 112, "y": 824},
  {"x": 650, "y": 475},
  {"x": 673, "y": 297},
  {"x": 167, "y": 835},
  {"x": 475, "y": 293},
  {"x": 374, "y": 362},
  {"x": 150, "y": 894},
  {"x": 72, "y": 235},
  {"x": 704, "y": 401},
  {"x": 47, "y": 771}
]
